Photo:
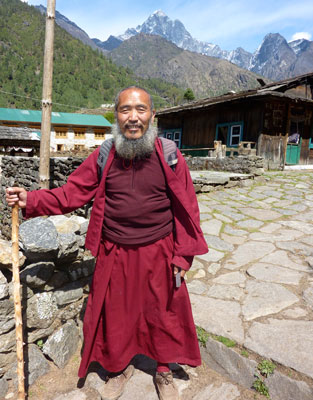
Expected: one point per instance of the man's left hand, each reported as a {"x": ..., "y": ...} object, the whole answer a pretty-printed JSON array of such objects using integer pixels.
[{"x": 177, "y": 269}]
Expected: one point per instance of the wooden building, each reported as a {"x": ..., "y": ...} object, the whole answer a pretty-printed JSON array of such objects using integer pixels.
[{"x": 268, "y": 116}]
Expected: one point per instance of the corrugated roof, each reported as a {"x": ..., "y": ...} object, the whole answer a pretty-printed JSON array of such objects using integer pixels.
[
  {"x": 59, "y": 118},
  {"x": 19, "y": 133}
]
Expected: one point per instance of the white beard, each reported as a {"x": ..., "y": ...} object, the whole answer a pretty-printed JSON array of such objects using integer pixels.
[{"x": 131, "y": 148}]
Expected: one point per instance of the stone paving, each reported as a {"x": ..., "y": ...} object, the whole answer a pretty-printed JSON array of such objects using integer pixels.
[{"x": 255, "y": 286}]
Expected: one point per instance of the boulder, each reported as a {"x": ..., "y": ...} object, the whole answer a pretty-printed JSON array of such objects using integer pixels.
[
  {"x": 4, "y": 287},
  {"x": 81, "y": 268},
  {"x": 62, "y": 344},
  {"x": 41, "y": 310},
  {"x": 37, "y": 274},
  {"x": 3, "y": 387},
  {"x": 64, "y": 224},
  {"x": 7, "y": 321},
  {"x": 68, "y": 293},
  {"x": 39, "y": 239},
  {"x": 68, "y": 247},
  {"x": 6, "y": 255}
]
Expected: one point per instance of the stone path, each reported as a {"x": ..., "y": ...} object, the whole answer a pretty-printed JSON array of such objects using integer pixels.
[{"x": 255, "y": 286}]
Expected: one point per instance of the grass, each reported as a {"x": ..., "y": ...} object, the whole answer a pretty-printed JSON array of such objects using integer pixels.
[{"x": 202, "y": 336}]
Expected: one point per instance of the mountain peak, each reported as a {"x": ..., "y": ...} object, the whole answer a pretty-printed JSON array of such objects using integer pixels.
[{"x": 159, "y": 13}]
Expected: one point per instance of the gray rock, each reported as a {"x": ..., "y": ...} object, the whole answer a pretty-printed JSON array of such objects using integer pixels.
[
  {"x": 82, "y": 222},
  {"x": 218, "y": 316},
  {"x": 227, "y": 362},
  {"x": 211, "y": 227},
  {"x": 281, "y": 258},
  {"x": 7, "y": 341},
  {"x": 81, "y": 268},
  {"x": 58, "y": 279},
  {"x": 37, "y": 334},
  {"x": 295, "y": 248},
  {"x": 226, "y": 391},
  {"x": 69, "y": 293},
  {"x": 274, "y": 273},
  {"x": 71, "y": 310},
  {"x": 39, "y": 239},
  {"x": 212, "y": 256},
  {"x": 197, "y": 287},
  {"x": 283, "y": 388},
  {"x": 6, "y": 361},
  {"x": 41, "y": 310},
  {"x": 62, "y": 344},
  {"x": 7, "y": 321},
  {"x": 64, "y": 225},
  {"x": 287, "y": 342},
  {"x": 236, "y": 232},
  {"x": 217, "y": 243},
  {"x": 37, "y": 274},
  {"x": 4, "y": 287},
  {"x": 3, "y": 387},
  {"x": 6, "y": 255},
  {"x": 68, "y": 247},
  {"x": 214, "y": 268},
  {"x": 266, "y": 298}
]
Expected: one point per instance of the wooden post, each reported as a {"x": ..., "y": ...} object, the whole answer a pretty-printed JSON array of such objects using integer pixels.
[
  {"x": 17, "y": 304},
  {"x": 44, "y": 164}
]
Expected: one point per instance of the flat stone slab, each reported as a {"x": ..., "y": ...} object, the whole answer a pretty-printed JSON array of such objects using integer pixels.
[
  {"x": 211, "y": 227},
  {"x": 217, "y": 243},
  {"x": 250, "y": 251},
  {"x": 265, "y": 299},
  {"x": 233, "y": 239},
  {"x": 250, "y": 224},
  {"x": 218, "y": 316},
  {"x": 308, "y": 296},
  {"x": 197, "y": 287},
  {"x": 280, "y": 257},
  {"x": 301, "y": 226},
  {"x": 270, "y": 228},
  {"x": 281, "y": 235},
  {"x": 225, "y": 292},
  {"x": 231, "y": 278},
  {"x": 287, "y": 342},
  {"x": 274, "y": 273},
  {"x": 260, "y": 214},
  {"x": 212, "y": 256}
]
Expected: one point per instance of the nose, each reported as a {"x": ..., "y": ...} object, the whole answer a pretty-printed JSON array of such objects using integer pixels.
[{"x": 133, "y": 115}]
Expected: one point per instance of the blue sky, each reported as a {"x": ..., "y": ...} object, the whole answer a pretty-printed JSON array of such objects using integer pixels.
[{"x": 228, "y": 23}]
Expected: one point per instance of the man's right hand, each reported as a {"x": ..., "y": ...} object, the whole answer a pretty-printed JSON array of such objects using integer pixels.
[{"x": 16, "y": 195}]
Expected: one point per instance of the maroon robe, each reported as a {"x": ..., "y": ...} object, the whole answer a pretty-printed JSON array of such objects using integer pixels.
[{"x": 187, "y": 241}]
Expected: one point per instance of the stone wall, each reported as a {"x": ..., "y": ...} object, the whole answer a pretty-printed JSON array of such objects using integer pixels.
[
  {"x": 55, "y": 277},
  {"x": 24, "y": 172},
  {"x": 241, "y": 164}
]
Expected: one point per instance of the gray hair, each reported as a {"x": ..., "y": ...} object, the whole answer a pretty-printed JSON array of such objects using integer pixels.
[{"x": 117, "y": 98}]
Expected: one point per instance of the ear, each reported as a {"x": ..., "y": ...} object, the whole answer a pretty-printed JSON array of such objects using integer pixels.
[{"x": 152, "y": 116}]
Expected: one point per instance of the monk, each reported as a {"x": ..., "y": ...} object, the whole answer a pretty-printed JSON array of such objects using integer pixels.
[{"x": 144, "y": 230}]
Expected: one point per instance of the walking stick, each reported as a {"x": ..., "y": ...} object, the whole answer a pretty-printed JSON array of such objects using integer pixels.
[{"x": 17, "y": 304}]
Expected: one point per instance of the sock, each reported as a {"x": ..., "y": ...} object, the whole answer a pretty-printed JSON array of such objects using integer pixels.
[{"x": 162, "y": 367}]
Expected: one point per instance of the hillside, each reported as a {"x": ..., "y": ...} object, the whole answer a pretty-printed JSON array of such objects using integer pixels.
[
  {"x": 83, "y": 77},
  {"x": 151, "y": 56}
]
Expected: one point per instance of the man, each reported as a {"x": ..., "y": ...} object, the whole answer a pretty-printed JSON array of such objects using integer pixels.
[{"x": 144, "y": 228}]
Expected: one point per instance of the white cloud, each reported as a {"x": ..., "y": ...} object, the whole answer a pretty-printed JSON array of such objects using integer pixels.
[{"x": 301, "y": 35}]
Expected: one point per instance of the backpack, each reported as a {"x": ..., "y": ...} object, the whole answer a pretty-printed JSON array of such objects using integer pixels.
[{"x": 169, "y": 152}]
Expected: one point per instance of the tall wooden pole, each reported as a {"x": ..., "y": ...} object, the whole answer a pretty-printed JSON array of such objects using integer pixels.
[
  {"x": 17, "y": 304},
  {"x": 44, "y": 165}
]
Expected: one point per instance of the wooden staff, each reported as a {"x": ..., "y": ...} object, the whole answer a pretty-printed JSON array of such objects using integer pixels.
[{"x": 17, "y": 304}]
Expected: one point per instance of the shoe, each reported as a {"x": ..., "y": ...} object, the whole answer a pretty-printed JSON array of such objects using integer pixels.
[
  {"x": 115, "y": 384},
  {"x": 166, "y": 387}
]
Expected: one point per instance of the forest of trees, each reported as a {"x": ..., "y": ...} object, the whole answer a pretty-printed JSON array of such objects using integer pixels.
[{"x": 82, "y": 77}]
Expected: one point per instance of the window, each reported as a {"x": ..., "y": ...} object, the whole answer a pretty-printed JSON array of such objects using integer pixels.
[
  {"x": 79, "y": 133},
  {"x": 173, "y": 134},
  {"x": 60, "y": 134},
  {"x": 229, "y": 133},
  {"x": 60, "y": 147},
  {"x": 99, "y": 134}
]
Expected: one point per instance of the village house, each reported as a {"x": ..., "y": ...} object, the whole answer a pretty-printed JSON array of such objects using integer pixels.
[
  {"x": 69, "y": 131},
  {"x": 276, "y": 119},
  {"x": 20, "y": 141}
]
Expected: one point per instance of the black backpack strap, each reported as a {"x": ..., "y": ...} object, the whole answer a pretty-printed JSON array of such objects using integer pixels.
[
  {"x": 170, "y": 152},
  {"x": 103, "y": 155}
]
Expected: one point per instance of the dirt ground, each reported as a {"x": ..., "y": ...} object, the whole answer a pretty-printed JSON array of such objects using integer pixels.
[{"x": 59, "y": 382}]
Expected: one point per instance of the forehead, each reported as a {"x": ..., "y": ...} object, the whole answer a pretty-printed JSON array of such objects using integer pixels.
[{"x": 134, "y": 96}]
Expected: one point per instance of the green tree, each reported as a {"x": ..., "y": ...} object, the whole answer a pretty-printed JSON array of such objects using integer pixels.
[{"x": 188, "y": 95}]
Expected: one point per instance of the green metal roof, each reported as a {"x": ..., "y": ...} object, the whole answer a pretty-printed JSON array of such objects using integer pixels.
[{"x": 60, "y": 118}]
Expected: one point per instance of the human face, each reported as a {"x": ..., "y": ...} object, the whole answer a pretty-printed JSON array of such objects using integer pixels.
[{"x": 134, "y": 113}]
